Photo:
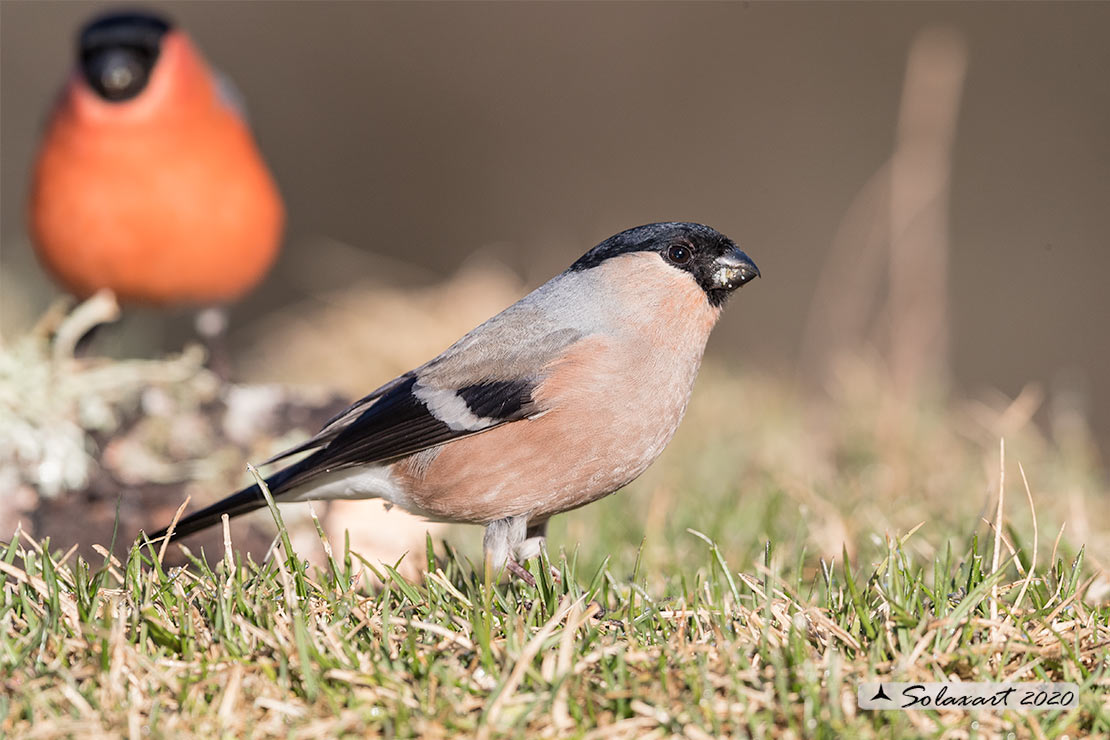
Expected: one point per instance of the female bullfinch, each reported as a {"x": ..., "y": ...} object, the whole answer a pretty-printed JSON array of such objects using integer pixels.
[{"x": 562, "y": 398}]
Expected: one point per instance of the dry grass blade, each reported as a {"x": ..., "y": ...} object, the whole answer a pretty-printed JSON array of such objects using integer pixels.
[
  {"x": 1036, "y": 541},
  {"x": 997, "y": 552},
  {"x": 169, "y": 530}
]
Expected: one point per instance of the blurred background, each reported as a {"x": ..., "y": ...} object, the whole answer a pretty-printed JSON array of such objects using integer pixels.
[{"x": 923, "y": 184}]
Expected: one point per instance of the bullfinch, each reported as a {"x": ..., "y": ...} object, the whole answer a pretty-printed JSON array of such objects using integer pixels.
[
  {"x": 562, "y": 398},
  {"x": 148, "y": 181}
]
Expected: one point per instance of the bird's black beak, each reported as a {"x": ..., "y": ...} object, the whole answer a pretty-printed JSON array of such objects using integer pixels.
[
  {"x": 117, "y": 52},
  {"x": 732, "y": 269},
  {"x": 116, "y": 74}
]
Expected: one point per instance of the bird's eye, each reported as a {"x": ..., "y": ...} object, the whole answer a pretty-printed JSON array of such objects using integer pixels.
[{"x": 679, "y": 254}]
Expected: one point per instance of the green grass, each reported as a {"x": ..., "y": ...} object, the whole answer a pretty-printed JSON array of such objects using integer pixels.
[{"x": 781, "y": 551}]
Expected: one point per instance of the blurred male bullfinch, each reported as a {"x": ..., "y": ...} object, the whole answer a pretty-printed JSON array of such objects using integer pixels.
[
  {"x": 148, "y": 181},
  {"x": 560, "y": 399}
]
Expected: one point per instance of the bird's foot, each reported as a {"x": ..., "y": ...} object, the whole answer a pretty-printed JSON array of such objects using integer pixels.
[
  {"x": 509, "y": 542},
  {"x": 520, "y": 572}
]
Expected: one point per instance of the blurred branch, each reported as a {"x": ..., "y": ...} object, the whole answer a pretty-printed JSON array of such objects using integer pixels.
[
  {"x": 900, "y": 218},
  {"x": 101, "y": 308},
  {"x": 920, "y": 180}
]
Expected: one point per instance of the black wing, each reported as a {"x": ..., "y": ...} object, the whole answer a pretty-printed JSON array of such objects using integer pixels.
[
  {"x": 400, "y": 423},
  {"x": 333, "y": 426},
  {"x": 390, "y": 423}
]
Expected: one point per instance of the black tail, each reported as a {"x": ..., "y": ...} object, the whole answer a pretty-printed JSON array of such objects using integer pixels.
[{"x": 241, "y": 502}]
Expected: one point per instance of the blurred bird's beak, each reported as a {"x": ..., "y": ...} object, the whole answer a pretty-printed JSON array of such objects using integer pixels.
[
  {"x": 732, "y": 269},
  {"x": 116, "y": 74}
]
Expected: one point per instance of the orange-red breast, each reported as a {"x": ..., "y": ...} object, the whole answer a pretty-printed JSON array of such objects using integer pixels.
[{"x": 149, "y": 181}]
